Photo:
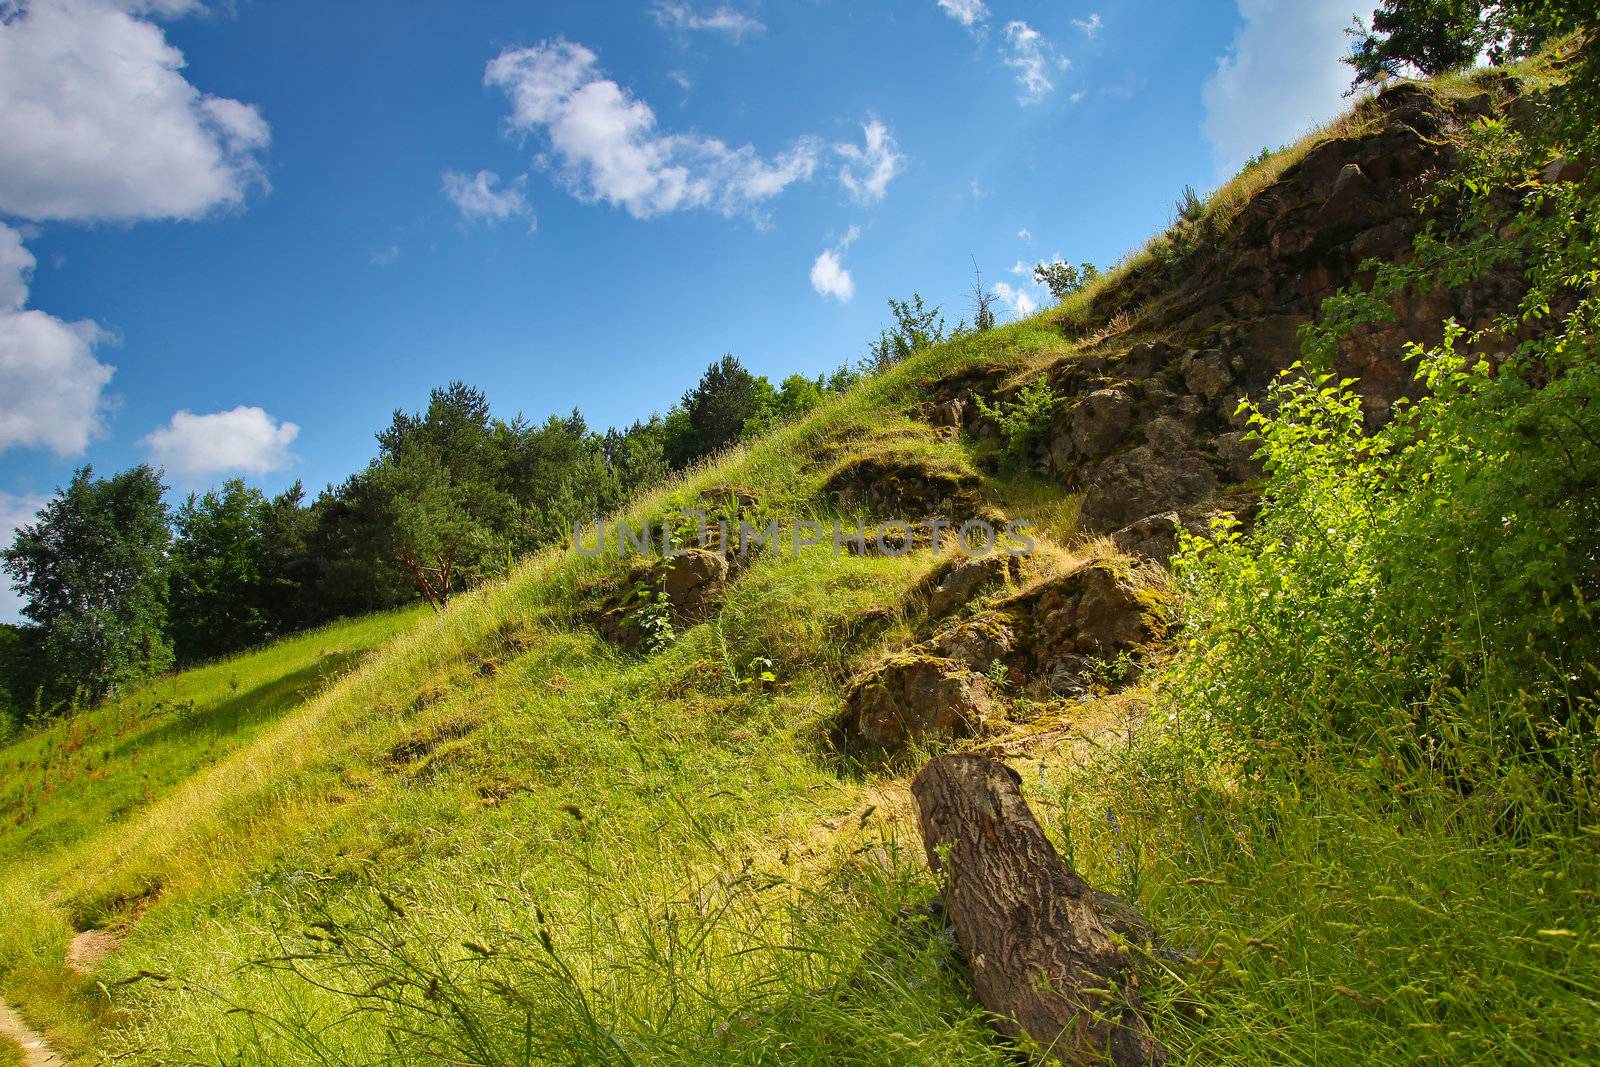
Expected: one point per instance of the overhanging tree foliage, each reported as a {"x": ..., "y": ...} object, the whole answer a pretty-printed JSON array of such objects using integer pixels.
[{"x": 1410, "y": 38}]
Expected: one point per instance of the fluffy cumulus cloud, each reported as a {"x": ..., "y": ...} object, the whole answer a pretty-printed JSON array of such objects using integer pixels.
[
  {"x": 828, "y": 274},
  {"x": 98, "y": 122},
  {"x": 724, "y": 20},
  {"x": 966, "y": 12},
  {"x": 607, "y": 147},
  {"x": 245, "y": 440},
  {"x": 1032, "y": 58},
  {"x": 481, "y": 198},
  {"x": 1017, "y": 299},
  {"x": 867, "y": 169},
  {"x": 1281, "y": 77},
  {"x": 51, "y": 386}
]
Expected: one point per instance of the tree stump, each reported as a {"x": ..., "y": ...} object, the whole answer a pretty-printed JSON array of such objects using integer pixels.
[{"x": 1042, "y": 957}]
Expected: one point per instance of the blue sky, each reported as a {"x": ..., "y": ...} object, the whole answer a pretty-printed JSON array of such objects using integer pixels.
[{"x": 234, "y": 237}]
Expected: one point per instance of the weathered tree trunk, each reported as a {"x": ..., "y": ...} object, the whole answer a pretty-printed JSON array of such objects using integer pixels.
[{"x": 1041, "y": 955}]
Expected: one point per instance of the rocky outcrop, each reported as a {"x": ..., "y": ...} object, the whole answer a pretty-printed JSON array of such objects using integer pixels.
[
  {"x": 693, "y": 580},
  {"x": 1066, "y": 634},
  {"x": 903, "y": 488},
  {"x": 915, "y": 697},
  {"x": 1157, "y": 429},
  {"x": 960, "y": 580}
]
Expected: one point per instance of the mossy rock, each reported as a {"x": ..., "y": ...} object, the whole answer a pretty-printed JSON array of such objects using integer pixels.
[{"x": 917, "y": 697}]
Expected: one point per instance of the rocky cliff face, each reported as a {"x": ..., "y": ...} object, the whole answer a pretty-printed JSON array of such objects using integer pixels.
[{"x": 1150, "y": 432}]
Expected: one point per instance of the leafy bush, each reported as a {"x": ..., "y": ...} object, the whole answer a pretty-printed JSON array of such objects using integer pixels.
[
  {"x": 916, "y": 326},
  {"x": 1024, "y": 421},
  {"x": 1427, "y": 589},
  {"x": 1064, "y": 279}
]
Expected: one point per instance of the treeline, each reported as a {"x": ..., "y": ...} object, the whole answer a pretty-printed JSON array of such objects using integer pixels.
[{"x": 117, "y": 584}]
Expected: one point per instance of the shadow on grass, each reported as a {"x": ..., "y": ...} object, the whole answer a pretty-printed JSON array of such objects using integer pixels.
[{"x": 246, "y": 709}]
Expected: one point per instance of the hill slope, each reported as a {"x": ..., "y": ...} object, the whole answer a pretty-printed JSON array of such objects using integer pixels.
[{"x": 615, "y": 810}]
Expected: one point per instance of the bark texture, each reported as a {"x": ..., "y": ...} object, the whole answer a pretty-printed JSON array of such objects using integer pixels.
[{"x": 1042, "y": 956}]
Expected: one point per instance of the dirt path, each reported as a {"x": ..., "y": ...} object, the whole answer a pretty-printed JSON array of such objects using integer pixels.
[{"x": 36, "y": 1052}]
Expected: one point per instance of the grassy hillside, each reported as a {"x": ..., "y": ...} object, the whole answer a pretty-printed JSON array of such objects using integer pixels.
[
  {"x": 506, "y": 839},
  {"x": 69, "y": 789}
]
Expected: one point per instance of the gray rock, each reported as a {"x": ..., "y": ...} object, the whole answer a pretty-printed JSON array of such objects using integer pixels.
[
  {"x": 965, "y": 580},
  {"x": 977, "y": 643},
  {"x": 916, "y": 697},
  {"x": 1144, "y": 359},
  {"x": 694, "y": 582},
  {"x": 1154, "y": 536},
  {"x": 1351, "y": 184},
  {"x": 1167, "y": 435},
  {"x": 1140, "y": 482},
  {"x": 1100, "y": 422},
  {"x": 1238, "y": 456},
  {"x": 1208, "y": 375}
]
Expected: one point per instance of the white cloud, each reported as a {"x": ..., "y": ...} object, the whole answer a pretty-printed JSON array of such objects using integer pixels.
[
  {"x": 51, "y": 385},
  {"x": 1281, "y": 77},
  {"x": 606, "y": 145},
  {"x": 966, "y": 12},
  {"x": 1031, "y": 56},
  {"x": 1021, "y": 303},
  {"x": 867, "y": 171},
  {"x": 382, "y": 257},
  {"x": 15, "y": 511},
  {"x": 244, "y": 440},
  {"x": 16, "y": 270},
  {"x": 723, "y": 20},
  {"x": 829, "y": 277},
  {"x": 1089, "y": 26},
  {"x": 480, "y": 199},
  {"x": 1026, "y": 234},
  {"x": 828, "y": 274},
  {"x": 98, "y": 122}
]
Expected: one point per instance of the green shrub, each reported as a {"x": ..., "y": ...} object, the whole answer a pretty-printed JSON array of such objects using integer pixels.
[
  {"x": 1023, "y": 422},
  {"x": 1427, "y": 589}
]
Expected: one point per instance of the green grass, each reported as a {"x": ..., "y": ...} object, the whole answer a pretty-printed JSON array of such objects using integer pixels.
[
  {"x": 70, "y": 789},
  {"x": 444, "y": 770},
  {"x": 62, "y": 782}
]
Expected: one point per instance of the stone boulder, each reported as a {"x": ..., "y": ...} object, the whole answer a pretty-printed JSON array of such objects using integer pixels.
[
  {"x": 915, "y": 697},
  {"x": 979, "y": 642},
  {"x": 1144, "y": 359},
  {"x": 1153, "y": 537},
  {"x": 1208, "y": 375},
  {"x": 1058, "y": 632},
  {"x": 1141, "y": 482},
  {"x": 957, "y": 582},
  {"x": 903, "y": 488},
  {"x": 694, "y": 581},
  {"x": 1100, "y": 421},
  {"x": 1238, "y": 456},
  {"x": 1095, "y": 610}
]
